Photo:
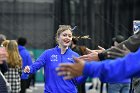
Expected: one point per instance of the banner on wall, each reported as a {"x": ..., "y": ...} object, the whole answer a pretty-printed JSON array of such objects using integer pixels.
[{"x": 136, "y": 26}]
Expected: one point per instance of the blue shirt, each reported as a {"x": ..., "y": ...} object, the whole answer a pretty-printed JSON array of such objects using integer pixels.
[
  {"x": 114, "y": 70},
  {"x": 26, "y": 60},
  {"x": 50, "y": 60}
]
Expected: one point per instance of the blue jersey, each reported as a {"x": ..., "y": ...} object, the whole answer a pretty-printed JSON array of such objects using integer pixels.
[
  {"x": 114, "y": 70},
  {"x": 50, "y": 60}
]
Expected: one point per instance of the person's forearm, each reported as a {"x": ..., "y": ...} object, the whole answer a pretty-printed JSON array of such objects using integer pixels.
[
  {"x": 112, "y": 70},
  {"x": 81, "y": 79},
  {"x": 91, "y": 69},
  {"x": 132, "y": 43},
  {"x": 101, "y": 56},
  {"x": 36, "y": 66}
]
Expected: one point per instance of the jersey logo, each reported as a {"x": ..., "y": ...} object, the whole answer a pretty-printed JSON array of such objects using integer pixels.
[
  {"x": 54, "y": 58},
  {"x": 70, "y": 59}
]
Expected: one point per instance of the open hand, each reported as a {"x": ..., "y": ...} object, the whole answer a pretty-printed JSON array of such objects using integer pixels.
[
  {"x": 27, "y": 69},
  {"x": 69, "y": 70}
]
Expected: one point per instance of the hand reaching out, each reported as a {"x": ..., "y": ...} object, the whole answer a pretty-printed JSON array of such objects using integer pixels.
[
  {"x": 3, "y": 54},
  {"x": 121, "y": 52},
  {"x": 69, "y": 70},
  {"x": 90, "y": 57},
  {"x": 101, "y": 49},
  {"x": 27, "y": 69}
]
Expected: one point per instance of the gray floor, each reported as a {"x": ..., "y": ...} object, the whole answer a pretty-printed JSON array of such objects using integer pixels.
[{"x": 40, "y": 88}]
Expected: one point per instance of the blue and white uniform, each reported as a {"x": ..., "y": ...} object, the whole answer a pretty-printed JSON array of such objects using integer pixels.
[{"x": 50, "y": 60}]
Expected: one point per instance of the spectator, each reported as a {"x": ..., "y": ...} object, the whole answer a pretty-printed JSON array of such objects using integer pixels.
[
  {"x": 3, "y": 65},
  {"x": 26, "y": 60},
  {"x": 81, "y": 50},
  {"x": 14, "y": 64},
  {"x": 122, "y": 86}
]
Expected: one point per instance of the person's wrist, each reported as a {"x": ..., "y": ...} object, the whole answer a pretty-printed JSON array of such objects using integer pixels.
[
  {"x": 101, "y": 56},
  {"x": 97, "y": 57}
]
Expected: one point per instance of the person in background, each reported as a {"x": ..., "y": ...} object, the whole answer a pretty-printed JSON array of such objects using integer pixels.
[
  {"x": 51, "y": 58},
  {"x": 14, "y": 63},
  {"x": 81, "y": 50},
  {"x": 26, "y": 61},
  {"x": 122, "y": 86},
  {"x": 3, "y": 65}
]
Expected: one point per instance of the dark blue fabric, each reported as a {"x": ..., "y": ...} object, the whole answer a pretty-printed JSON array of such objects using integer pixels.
[
  {"x": 3, "y": 88},
  {"x": 4, "y": 67}
]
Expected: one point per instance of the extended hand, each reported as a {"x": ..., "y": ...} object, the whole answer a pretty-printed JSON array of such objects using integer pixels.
[
  {"x": 3, "y": 54},
  {"x": 121, "y": 52},
  {"x": 27, "y": 69},
  {"x": 69, "y": 70},
  {"x": 90, "y": 57}
]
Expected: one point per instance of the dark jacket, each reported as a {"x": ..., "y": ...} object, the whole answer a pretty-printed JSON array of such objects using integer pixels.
[
  {"x": 3, "y": 68},
  {"x": 132, "y": 43}
]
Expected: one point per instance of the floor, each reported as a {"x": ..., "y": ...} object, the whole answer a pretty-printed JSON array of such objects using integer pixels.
[{"x": 40, "y": 88}]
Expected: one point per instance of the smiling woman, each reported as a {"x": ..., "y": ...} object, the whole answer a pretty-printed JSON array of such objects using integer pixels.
[{"x": 51, "y": 59}]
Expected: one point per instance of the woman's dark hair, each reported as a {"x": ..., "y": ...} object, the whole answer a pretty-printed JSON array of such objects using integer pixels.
[{"x": 74, "y": 40}]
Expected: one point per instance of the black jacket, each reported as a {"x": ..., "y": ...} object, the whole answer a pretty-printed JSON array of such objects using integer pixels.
[{"x": 3, "y": 68}]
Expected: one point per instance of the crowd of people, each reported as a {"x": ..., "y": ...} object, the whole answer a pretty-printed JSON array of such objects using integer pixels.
[
  {"x": 67, "y": 65},
  {"x": 13, "y": 58}
]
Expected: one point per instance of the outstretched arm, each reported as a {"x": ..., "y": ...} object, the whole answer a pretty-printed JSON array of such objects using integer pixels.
[
  {"x": 132, "y": 43},
  {"x": 40, "y": 62},
  {"x": 108, "y": 70}
]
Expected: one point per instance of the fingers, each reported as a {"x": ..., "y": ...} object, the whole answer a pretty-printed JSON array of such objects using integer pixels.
[
  {"x": 3, "y": 54},
  {"x": 63, "y": 68},
  {"x": 125, "y": 48},
  {"x": 124, "y": 51},
  {"x": 64, "y": 72},
  {"x": 3, "y": 57},
  {"x": 118, "y": 49},
  {"x": 27, "y": 69},
  {"x": 114, "y": 54},
  {"x": 88, "y": 50},
  {"x": 90, "y": 57},
  {"x": 101, "y": 48},
  {"x": 68, "y": 77},
  {"x": 84, "y": 57},
  {"x": 77, "y": 60}
]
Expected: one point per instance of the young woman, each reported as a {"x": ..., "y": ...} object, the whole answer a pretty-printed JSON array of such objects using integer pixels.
[
  {"x": 51, "y": 59},
  {"x": 14, "y": 64}
]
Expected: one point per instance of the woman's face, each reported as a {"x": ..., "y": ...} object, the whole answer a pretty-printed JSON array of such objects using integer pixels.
[{"x": 65, "y": 38}]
